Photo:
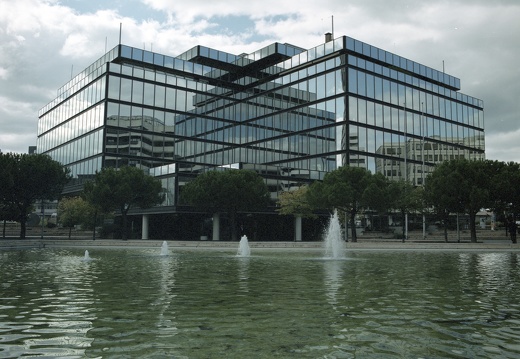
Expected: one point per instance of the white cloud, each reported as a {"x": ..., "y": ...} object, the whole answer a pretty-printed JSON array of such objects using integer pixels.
[
  {"x": 186, "y": 13},
  {"x": 3, "y": 73},
  {"x": 42, "y": 40},
  {"x": 16, "y": 142},
  {"x": 503, "y": 146},
  {"x": 13, "y": 108}
]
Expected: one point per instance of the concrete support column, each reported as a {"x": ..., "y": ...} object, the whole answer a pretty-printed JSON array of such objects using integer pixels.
[
  {"x": 298, "y": 228},
  {"x": 144, "y": 234},
  {"x": 216, "y": 227}
]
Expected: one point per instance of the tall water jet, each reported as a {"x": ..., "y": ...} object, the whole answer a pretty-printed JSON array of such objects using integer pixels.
[
  {"x": 87, "y": 256},
  {"x": 334, "y": 245},
  {"x": 243, "y": 247},
  {"x": 164, "y": 249}
]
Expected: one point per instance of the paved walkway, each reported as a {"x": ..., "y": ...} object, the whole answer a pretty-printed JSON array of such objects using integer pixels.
[{"x": 362, "y": 244}]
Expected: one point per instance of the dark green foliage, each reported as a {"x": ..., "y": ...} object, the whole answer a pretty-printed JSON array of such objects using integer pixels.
[
  {"x": 26, "y": 179},
  {"x": 462, "y": 186},
  {"x": 505, "y": 189},
  {"x": 377, "y": 196},
  {"x": 350, "y": 189},
  {"x": 74, "y": 211},
  {"x": 457, "y": 186},
  {"x": 122, "y": 189},
  {"x": 405, "y": 198},
  {"x": 229, "y": 191},
  {"x": 295, "y": 203}
]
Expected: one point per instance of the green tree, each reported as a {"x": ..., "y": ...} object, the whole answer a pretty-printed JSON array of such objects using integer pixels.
[
  {"x": 30, "y": 178},
  {"x": 505, "y": 192},
  {"x": 73, "y": 211},
  {"x": 461, "y": 186},
  {"x": 405, "y": 198},
  {"x": 122, "y": 189},
  {"x": 505, "y": 187},
  {"x": 443, "y": 203},
  {"x": 7, "y": 171},
  {"x": 230, "y": 191},
  {"x": 7, "y": 211},
  {"x": 295, "y": 203},
  {"x": 376, "y": 198},
  {"x": 344, "y": 189}
]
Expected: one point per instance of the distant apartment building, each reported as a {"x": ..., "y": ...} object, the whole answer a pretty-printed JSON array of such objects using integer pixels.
[
  {"x": 289, "y": 113},
  {"x": 421, "y": 156}
]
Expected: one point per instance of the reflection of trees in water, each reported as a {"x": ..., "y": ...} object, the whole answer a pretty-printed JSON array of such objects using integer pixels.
[
  {"x": 488, "y": 273},
  {"x": 333, "y": 280},
  {"x": 243, "y": 274},
  {"x": 165, "y": 315}
]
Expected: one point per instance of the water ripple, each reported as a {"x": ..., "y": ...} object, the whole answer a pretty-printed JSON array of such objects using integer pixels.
[{"x": 135, "y": 303}]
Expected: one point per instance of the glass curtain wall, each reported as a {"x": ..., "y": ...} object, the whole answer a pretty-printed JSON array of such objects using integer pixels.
[
  {"x": 404, "y": 118},
  {"x": 292, "y": 114}
]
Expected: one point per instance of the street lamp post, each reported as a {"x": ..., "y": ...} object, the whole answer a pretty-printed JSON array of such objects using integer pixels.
[
  {"x": 346, "y": 226},
  {"x": 43, "y": 217},
  {"x": 423, "y": 125},
  {"x": 405, "y": 237}
]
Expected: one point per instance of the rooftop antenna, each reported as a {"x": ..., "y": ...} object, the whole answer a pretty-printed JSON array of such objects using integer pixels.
[
  {"x": 120, "y": 30},
  {"x": 442, "y": 66},
  {"x": 332, "y": 27},
  {"x": 71, "y": 71}
]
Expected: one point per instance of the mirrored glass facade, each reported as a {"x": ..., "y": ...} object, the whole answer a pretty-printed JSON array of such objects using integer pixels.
[{"x": 291, "y": 114}]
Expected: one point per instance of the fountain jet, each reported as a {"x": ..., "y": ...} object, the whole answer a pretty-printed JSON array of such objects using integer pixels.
[
  {"x": 243, "y": 247},
  {"x": 334, "y": 245},
  {"x": 164, "y": 249}
]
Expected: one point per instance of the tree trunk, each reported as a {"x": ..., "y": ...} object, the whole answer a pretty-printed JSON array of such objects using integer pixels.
[
  {"x": 23, "y": 228},
  {"x": 70, "y": 231},
  {"x": 445, "y": 221},
  {"x": 3, "y": 230},
  {"x": 23, "y": 220},
  {"x": 353, "y": 226},
  {"x": 95, "y": 222},
  {"x": 473, "y": 228},
  {"x": 233, "y": 224},
  {"x": 403, "y": 215},
  {"x": 124, "y": 234}
]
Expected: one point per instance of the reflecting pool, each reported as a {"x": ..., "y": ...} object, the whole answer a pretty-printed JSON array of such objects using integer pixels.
[{"x": 209, "y": 303}]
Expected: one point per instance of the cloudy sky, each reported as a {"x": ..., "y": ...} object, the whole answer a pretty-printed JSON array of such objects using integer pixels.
[{"x": 44, "y": 42}]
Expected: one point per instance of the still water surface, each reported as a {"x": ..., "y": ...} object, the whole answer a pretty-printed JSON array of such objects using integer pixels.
[{"x": 135, "y": 303}]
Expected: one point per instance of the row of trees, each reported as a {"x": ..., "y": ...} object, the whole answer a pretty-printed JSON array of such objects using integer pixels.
[
  {"x": 118, "y": 191},
  {"x": 352, "y": 190},
  {"x": 463, "y": 186},
  {"x": 111, "y": 190},
  {"x": 26, "y": 179},
  {"x": 229, "y": 192},
  {"x": 121, "y": 190},
  {"x": 457, "y": 186}
]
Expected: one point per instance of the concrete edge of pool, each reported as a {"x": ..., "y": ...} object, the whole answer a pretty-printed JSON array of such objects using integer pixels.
[{"x": 373, "y": 244}]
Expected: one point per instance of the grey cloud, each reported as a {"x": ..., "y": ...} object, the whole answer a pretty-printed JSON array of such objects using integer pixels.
[{"x": 481, "y": 49}]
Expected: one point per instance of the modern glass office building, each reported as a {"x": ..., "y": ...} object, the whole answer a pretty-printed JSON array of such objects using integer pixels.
[{"x": 292, "y": 114}]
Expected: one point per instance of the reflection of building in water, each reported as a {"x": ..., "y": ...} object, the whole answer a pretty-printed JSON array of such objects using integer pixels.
[
  {"x": 421, "y": 157},
  {"x": 289, "y": 113}
]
